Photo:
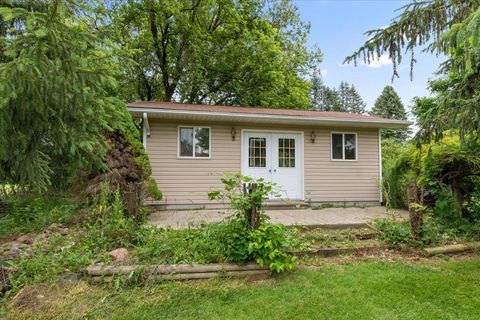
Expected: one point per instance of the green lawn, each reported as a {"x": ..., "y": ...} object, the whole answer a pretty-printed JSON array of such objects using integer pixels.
[{"x": 446, "y": 290}]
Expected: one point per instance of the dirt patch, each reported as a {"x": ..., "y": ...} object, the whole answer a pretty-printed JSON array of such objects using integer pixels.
[
  {"x": 409, "y": 257},
  {"x": 32, "y": 298}
]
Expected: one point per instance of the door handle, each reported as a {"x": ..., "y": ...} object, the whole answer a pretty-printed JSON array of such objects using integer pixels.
[
  {"x": 274, "y": 170},
  {"x": 270, "y": 170}
]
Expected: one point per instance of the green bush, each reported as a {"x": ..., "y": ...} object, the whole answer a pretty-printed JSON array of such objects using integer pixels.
[
  {"x": 396, "y": 234},
  {"x": 268, "y": 245}
]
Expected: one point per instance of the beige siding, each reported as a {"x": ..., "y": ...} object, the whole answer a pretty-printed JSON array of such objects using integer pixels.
[{"x": 187, "y": 181}]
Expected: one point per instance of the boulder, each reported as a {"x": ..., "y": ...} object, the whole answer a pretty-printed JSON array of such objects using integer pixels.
[{"x": 119, "y": 254}]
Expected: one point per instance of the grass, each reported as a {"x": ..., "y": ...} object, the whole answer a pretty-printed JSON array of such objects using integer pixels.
[
  {"x": 368, "y": 290},
  {"x": 33, "y": 214},
  {"x": 338, "y": 238}
]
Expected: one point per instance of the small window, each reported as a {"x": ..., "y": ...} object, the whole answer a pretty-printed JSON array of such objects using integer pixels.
[
  {"x": 344, "y": 146},
  {"x": 194, "y": 142}
]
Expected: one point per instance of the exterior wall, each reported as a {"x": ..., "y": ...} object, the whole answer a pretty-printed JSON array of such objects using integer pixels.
[{"x": 187, "y": 181}]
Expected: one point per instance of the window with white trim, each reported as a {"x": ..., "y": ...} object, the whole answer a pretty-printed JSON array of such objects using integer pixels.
[
  {"x": 194, "y": 142},
  {"x": 344, "y": 146}
]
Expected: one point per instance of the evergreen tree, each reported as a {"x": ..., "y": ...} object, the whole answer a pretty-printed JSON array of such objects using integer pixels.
[
  {"x": 389, "y": 105},
  {"x": 350, "y": 99},
  {"x": 343, "y": 95},
  {"x": 323, "y": 97},
  {"x": 445, "y": 27},
  {"x": 57, "y": 88},
  {"x": 332, "y": 100},
  {"x": 356, "y": 103}
]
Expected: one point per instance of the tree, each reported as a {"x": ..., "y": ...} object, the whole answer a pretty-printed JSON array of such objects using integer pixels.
[
  {"x": 350, "y": 98},
  {"x": 389, "y": 105},
  {"x": 57, "y": 95},
  {"x": 447, "y": 27},
  {"x": 323, "y": 97},
  {"x": 214, "y": 52}
]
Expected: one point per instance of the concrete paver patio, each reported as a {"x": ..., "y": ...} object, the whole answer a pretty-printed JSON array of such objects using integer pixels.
[{"x": 328, "y": 217}]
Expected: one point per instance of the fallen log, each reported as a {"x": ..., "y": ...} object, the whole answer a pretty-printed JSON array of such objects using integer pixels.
[
  {"x": 172, "y": 269},
  {"x": 453, "y": 248}
]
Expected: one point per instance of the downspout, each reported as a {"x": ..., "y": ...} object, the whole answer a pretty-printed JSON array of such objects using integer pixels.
[
  {"x": 380, "y": 164},
  {"x": 146, "y": 130}
]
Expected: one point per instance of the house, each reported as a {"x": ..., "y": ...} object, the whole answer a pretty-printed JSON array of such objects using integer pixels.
[{"x": 314, "y": 156}]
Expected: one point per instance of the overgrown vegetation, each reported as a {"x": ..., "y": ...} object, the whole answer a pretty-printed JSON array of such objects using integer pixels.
[
  {"x": 103, "y": 226},
  {"x": 444, "y": 176},
  {"x": 34, "y": 213},
  {"x": 266, "y": 243}
]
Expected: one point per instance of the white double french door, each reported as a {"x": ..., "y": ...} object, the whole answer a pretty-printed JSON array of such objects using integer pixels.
[{"x": 276, "y": 157}]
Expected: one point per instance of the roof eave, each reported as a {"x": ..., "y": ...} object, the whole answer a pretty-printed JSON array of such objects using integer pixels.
[{"x": 267, "y": 118}]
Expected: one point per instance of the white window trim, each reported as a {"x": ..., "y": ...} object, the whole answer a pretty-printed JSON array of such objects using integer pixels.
[
  {"x": 343, "y": 133},
  {"x": 193, "y": 155}
]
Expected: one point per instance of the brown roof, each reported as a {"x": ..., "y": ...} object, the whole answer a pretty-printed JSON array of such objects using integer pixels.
[{"x": 249, "y": 110}]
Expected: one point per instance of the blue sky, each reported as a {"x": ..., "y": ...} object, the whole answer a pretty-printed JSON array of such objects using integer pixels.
[{"x": 338, "y": 28}]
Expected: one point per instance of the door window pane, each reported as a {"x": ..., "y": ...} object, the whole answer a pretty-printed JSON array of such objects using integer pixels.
[
  {"x": 257, "y": 152},
  {"x": 186, "y": 142},
  {"x": 350, "y": 146},
  {"x": 202, "y": 142},
  {"x": 337, "y": 145},
  {"x": 286, "y": 153}
]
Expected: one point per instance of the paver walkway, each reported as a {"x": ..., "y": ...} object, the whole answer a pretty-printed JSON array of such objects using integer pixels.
[{"x": 329, "y": 217}]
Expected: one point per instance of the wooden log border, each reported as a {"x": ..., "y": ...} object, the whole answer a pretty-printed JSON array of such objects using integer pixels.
[
  {"x": 453, "y": 248},
  {"x": 101, "y": 273}
]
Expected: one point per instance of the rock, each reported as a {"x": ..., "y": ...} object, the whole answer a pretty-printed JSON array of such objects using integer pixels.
[
  {"x": 67, "y": 279},
  {"x": 54, "y": 227},
  {"x": 119, "y": 254},
  {"x": 14, "y": 252},
  {"x": 25, "y": 239}
]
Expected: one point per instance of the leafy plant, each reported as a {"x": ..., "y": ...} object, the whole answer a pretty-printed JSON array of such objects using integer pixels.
[
  {"x": 241, "y": 200},
  {"x": 267, "y": 246}
]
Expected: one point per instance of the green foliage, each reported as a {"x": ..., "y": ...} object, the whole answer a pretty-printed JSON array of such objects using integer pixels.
[
  {"x": 394, "y": 233},
  {"x": 397, "y": 173},
  {"x": 153, "y": 191},
  {"x": 239, "y": 201},
  {"x": 23, "y": 214},
  {"x": 446, "y": 27},
  {"x": 228, "y": 52},
  {"x": 57, "y": 95},
  {"x": 389, "y": 105},
  {"x": 267, "y": 246},
  {"x": 344, "y": 99},
  {"x": 268, "y": 243}
]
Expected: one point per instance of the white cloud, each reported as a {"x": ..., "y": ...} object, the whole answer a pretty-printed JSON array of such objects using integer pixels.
[
  {"x": 324, "y": 72},
  {"x": 383, "y": 60}
]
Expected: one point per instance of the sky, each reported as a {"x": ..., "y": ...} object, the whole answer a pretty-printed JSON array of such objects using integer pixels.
[{"x": 338, "y": 27}]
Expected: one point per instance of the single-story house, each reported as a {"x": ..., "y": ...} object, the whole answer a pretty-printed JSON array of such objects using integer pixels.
[{"x": 313, "y": 156}]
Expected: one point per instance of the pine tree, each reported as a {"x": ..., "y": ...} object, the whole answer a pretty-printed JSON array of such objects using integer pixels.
[
  {"x": 350, "y": 99},
  {"x": 343, "y": 94},
  {"x": 56, "y": 96},
  {"x": 323, "y": 97},
  {"x": 389, "y": 105},
  {"x": 356, "y": 105}
]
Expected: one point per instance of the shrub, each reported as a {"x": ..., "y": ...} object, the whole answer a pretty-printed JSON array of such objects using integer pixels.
[
  {"x": 268, "y": 245},
  {"x": 396, "y": 234}
]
